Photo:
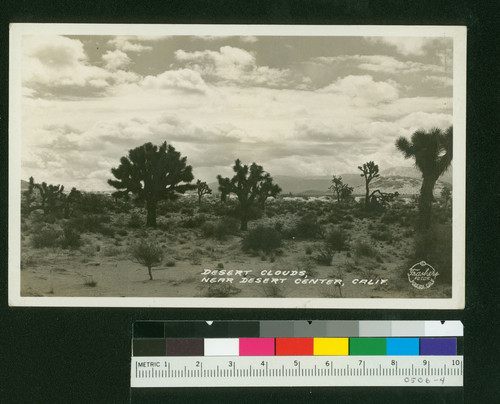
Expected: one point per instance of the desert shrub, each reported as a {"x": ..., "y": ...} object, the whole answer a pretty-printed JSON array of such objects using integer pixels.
[
  {"x": 347, "y": 226},
  {"x": 278, "y": 226},
  {"x": 135, "y": 221},
  {"x": 362, "y": 249},
  {"x": 324, "y": 256},
  {"x": 309, "y": 250},
  {"x": 90, "y": 282},
  {"x": 307, "y": 227},
  {"x": 111, "y": 251},
  {"x": 194, "y": 222},
  {"x": 221, "y": 229},
  {"x": 195, "y": 256},
  {"x": 384, "y": 235},
  {"x": 148, "y": 254},
  {"x": 89, "y": 223},
  {"x": 262, "y": 238},
  {"x": 71, "y": 238},
  {"x": 389, "y": 217},
  {"x": 307, "y": 265},
  {"x": 107, "y": 231},
  {"x": 222, "y": 290},
  {"x": 49, "y": 218},
  {"x": 122, "y": 232},
  {"x": 188, "y": 211},
  {"x": 94, "y": 203},
  {"x": 336, "y": 240},
  {"x": 46, "y": 238},
  {"x": 170, "y": 262}
]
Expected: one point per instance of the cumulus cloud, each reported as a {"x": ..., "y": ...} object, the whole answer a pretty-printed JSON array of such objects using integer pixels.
[
  {"x": 56, "y": 65},
  {"x": 232, "y": 65},
  {"x": 57, "y": 61},
  {"x": 128, "y": 44},
  {"x": 115, "y": 59},
  {"x": 363, "y": 90},
  {"x": 184, "y": 79}
]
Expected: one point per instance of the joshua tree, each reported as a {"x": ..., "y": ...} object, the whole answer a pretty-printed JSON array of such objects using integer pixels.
[
  {"x": 249, "y": 184},
  {"x": 29, "y": 198},
  {"x": 370, "y": 171},
  {"x": 433, "y": 152},
  {"x": 202, "y": 189},
  {"x": 51, "y": 197},
  {"x": 267, "y": 189},
  {"x": 152, "y": 173},
  {"x": 342, "y": 191},
  {"x": 224, "y": 187}
]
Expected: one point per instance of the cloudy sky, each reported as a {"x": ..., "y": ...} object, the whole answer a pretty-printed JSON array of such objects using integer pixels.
[{"x": 302, "y": 106}]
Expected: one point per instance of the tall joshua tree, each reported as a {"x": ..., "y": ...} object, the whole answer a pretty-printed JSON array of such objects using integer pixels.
[
  {"x": 202, "y": 188},
  {"x": 370, "y": 171},
  {"x": 250, "y": 184},
  {"x": 433, "y": 153},
  {"x": 152, "y": 173}
]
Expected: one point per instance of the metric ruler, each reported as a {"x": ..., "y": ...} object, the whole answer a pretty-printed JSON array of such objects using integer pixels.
[
  {"x": 268, "y": 354},
  {"x": 297, "y": 371}
]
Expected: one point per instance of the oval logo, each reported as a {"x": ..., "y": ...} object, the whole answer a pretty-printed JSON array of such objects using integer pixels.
[{"x": 422, "y": 275}]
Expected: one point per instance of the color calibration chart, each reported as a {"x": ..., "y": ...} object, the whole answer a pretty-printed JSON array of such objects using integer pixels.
[{"x": 296, "y": 353}]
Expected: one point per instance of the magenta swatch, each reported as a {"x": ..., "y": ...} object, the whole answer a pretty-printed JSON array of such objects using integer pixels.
[{"x": 256, "y": 346}]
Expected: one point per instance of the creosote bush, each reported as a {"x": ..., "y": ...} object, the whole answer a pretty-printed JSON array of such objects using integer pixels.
[
  {"x": 46, "y": 238},
  {"x": 221, "y": 229},
  {"x": 148, "y": 254},
  {"x": 71, "y": 238},
  {"x": 307, "y": 227},
  {"x": 363, "y": 249},
  {"x": 336, "y": 240},
  {"x": 262, "y": 238},
  {"x": 324, "y": 256}
]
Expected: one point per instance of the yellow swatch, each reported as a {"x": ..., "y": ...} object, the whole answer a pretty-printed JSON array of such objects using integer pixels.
[{"x": 331, "y": 346}]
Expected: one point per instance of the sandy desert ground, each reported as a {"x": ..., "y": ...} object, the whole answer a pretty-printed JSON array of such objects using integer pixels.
[{"x": 372, "y": 264}]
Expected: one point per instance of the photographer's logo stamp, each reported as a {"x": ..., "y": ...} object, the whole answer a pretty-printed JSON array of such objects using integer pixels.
[{"x": 422, "y": 275}]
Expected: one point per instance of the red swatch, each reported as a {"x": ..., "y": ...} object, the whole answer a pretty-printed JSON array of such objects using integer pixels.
[{"x": 294, "y": 346}]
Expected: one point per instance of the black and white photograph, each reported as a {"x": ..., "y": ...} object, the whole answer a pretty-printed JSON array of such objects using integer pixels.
[{"x": 237, "y": 166}]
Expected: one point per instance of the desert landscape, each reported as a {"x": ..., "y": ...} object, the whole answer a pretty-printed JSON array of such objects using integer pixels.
[
  {"x": 298, "y": 246},
  {"x": 270, "y": 163}
]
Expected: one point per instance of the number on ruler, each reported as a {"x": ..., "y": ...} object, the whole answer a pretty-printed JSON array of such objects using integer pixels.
[
  {"x": 296, "y": 363},
  {"x": 231, "y": 363},
  {"x": 197, "y": 364},
  {"x": 456, "y": 362},
  {"x": 393, "y": 362}
]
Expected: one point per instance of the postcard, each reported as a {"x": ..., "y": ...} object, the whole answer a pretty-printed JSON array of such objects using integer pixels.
[{"x": 242, "y": 166}]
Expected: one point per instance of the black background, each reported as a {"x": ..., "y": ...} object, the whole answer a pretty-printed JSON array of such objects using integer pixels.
[{"x": 81, "y": 355}]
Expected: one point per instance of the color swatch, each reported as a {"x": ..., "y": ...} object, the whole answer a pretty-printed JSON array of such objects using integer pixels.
[{"x": 299, "y": 338}]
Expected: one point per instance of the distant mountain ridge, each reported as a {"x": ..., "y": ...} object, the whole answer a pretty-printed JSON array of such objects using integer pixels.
[{"x": 405, "y": 180}]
